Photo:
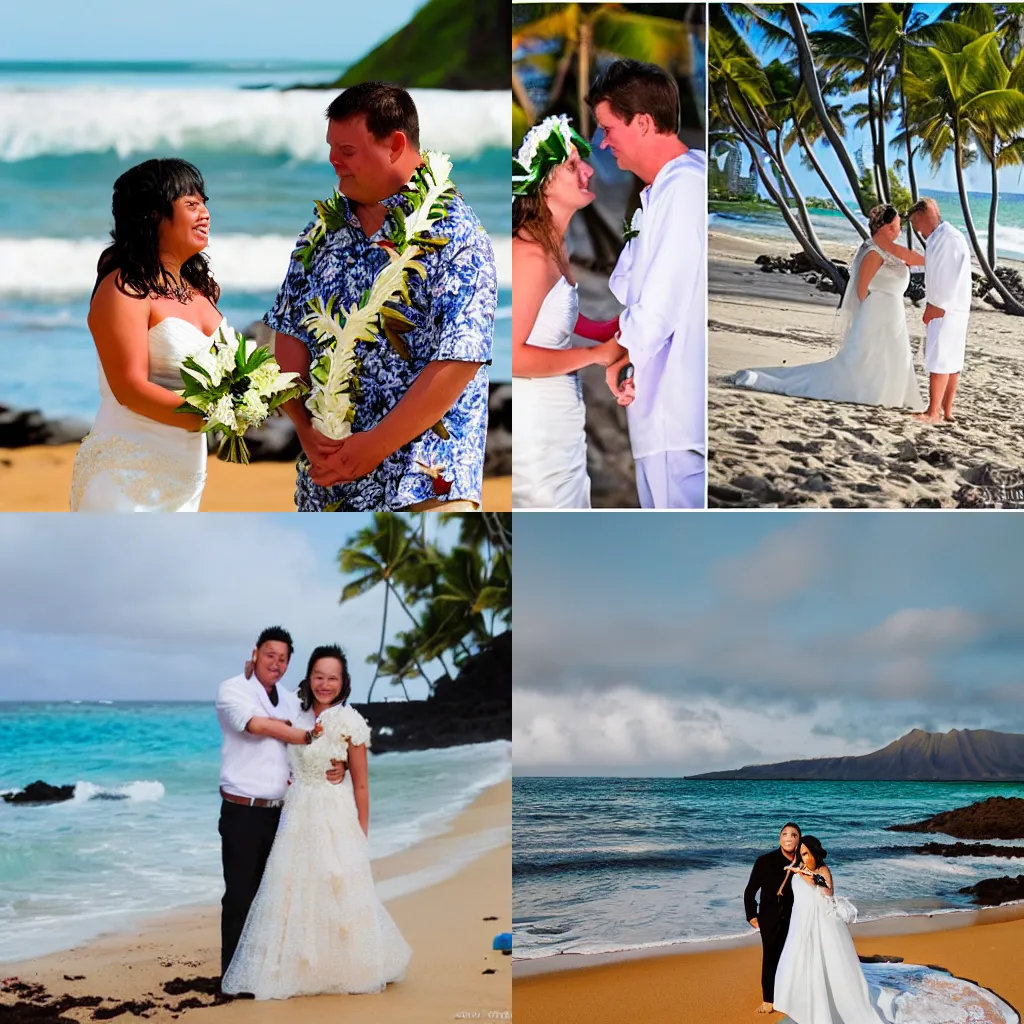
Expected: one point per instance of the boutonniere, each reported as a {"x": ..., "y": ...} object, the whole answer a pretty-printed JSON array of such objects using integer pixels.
[{"x": 630, "y": 229}]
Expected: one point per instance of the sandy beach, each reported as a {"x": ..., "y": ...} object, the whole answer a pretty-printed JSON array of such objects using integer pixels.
[
  {"x": 721, "y": 985},
  {"x": 38, "y": 479},
  {"x": 769, "y": 450},
  {"x": 450, "y": 926}
]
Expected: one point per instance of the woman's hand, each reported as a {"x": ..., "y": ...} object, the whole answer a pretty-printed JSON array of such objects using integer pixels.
[{"x": 609, "y": 352}]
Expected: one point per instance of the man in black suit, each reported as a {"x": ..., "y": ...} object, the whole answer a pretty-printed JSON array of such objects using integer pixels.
[{"x": 771, "y": 918}]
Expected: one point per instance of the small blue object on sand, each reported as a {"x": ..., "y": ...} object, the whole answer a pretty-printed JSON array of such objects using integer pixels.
[{"x": 503, "y": 941}]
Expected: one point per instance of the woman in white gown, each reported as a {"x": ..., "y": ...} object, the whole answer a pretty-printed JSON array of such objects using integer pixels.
[
  {"x": 875, "y": 363},
  {"x": 820, "y": 979},
  {"x": 549, "y": 446},
  {"x": 317, "y": 924},
  {"x": 154, "y": 304}
]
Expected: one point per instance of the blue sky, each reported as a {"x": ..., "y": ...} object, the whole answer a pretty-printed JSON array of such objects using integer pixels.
[
  {"x": 977, "y": 176},
  {"x": 696, "y": 642},
  {"x": 166, "y": 607},
  {"x": 199, "y": 30}
]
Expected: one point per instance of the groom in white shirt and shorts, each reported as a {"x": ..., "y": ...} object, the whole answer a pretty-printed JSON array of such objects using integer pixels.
[
  {"x": 948, "y": 290},
  {"x": 254, "y": 776}
]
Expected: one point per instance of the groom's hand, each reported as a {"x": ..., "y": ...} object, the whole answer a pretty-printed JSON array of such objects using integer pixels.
[
  {"x": 753, "y": 924},
  {"x": 352, "y": 459},
  {"x": 336, "y": 775},
  {"x": 932, "y": 313}
]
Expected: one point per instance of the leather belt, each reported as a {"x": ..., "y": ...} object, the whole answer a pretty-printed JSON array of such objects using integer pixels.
[{"x": 249, "y": 801}]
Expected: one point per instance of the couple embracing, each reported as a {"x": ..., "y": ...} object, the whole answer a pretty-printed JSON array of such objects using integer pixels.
[
  {"x": 810, "y": 969},
  {"x": 654, "y": 351},
  {"x": 300, "y": 914},
  {"x": 386, "y": 315},
  {"x": 875, "y": 363}
]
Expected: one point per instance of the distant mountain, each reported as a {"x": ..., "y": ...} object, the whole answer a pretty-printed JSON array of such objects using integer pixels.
[
  {"x": 449, "y": 44},
  {"x": 961, "y": 755}
]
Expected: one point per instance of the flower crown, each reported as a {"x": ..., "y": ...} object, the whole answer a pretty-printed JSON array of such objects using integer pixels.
[{"x": 546, "y": 145}]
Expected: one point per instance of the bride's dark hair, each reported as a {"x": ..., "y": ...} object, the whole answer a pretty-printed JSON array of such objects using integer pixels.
[
  {"x": 817, "y": 851},
  {"x": 143, "y": 196},
  {"x": 881, "y": 215},
  {"x": 532, "y": 221},
  {"x": 305, "y": 691}
]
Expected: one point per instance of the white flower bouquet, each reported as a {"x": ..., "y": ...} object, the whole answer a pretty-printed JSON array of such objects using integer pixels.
[{"x": 235, "y": 385}]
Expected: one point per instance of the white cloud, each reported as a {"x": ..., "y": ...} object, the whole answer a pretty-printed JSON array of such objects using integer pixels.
[
  {"x": 783, "y": 564},
  {"x": 920, "y": 631},
  {"x": 138, "y": 601}
]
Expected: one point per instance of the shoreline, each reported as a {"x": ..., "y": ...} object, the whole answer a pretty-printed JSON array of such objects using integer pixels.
[
  {"x": 37, "y": 478},
  {"x": 722, "y": 984},
  {"x": 878, "y": 927},
  {"x": 449, "y": 894}
]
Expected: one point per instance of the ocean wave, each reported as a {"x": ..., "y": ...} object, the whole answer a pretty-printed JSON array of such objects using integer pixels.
[
  {"x": 51, "y": 267},
  {"x": 613, "y": 862},
  {"x": 64, "y": 122},
  {"x": 139, "y": 791}
]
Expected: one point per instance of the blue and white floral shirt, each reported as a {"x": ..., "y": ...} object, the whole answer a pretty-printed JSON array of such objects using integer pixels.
[{"x": 453, "y": 313}]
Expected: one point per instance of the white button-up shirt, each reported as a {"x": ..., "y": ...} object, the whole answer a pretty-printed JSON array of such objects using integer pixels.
[
  {"x": 254, "y": 766},
  {"x": 947, "y": 270},
  {"x": 661, "y": 279}
]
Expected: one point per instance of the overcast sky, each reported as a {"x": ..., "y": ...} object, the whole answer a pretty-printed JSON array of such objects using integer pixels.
[
  {"x": 700, "y": 642},
  {"x": 166, "y": 607},
  {"x": 199, "y": 30}
]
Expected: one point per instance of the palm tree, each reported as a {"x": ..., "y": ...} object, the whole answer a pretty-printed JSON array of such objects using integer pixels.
[
  {"x": 749, "y": 104},
  {"x": 560, "y": 45},
  {"x": 380, "y": 552},
  {"x": 963, "y": 92}
]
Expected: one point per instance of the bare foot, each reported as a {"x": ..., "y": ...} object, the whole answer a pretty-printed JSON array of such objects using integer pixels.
[
  {"x": 928, "y": 417},
  {"x": 766, "y": 1008},
  {"x": 949, "y": 418}
]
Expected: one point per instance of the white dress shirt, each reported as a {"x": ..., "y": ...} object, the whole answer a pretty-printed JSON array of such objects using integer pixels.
[
  {"x": 947, "y": 270},
  {"x": 254, "y": 766},
  {"x": 661, "y": 279}
]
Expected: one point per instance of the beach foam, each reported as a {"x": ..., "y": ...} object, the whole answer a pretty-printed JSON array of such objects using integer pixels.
[
  {"x": 93, "y": 119},
  {"x": 141, "y": 791},
  {"x": 40, "y": 267}
]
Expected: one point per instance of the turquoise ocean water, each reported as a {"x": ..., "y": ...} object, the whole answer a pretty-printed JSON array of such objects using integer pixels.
[
  {"x": 68, "y": 130},
  {"x": 609, "y": 864},
  {"x": 832, "y": 225},
  {"x": 140, "y": 836}
]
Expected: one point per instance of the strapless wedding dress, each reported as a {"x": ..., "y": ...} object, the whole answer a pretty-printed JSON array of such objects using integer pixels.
[
  {"x": 129, "y": 463},
  {"x": 549, "y": 442},
  {"x": 874, "y": 365}
]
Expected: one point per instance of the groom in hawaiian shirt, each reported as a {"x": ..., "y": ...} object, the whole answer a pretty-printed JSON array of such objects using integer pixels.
[{"x": 394, "y": 459}]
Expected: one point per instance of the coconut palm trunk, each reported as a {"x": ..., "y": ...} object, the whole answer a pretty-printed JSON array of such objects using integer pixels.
[
  {"x": 1010, "y": 304},
  {"x": 809, "y": 77},
  {"x": 994, "y": 206},
  {"x": 380, "y": 649},
  {"x": 826, "y": 181}
]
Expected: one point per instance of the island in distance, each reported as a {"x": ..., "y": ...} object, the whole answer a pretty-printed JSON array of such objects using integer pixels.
[{"x": 960, "y": 755}]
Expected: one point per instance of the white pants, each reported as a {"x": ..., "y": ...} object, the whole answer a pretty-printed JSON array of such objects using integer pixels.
[
  {"x": 671, "y": 480},
  {"x": 945, "y": 342}
]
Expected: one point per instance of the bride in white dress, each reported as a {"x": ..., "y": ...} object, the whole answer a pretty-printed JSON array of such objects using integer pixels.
[
  {"x": 154, "y": 305},
  {"x": 820, "y": 979},
  {"x": 549, "y": 445},
  {"x": 875, "y": 363},
  {"x": 317, "y": 924}
]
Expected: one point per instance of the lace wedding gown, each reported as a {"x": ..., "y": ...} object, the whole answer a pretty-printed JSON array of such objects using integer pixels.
[
  {"x": 549, "y": 444},
  {"x": 820, "y": 979},
  {"x": 129, "y": 463},
  {"x": 874, "y": 365},
  {"x": 317, "y": 925}
]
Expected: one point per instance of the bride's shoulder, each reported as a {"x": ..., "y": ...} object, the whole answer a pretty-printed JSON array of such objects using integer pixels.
[
  {"x": 112, "y": 302},
  {"x": 348, "y": 723}
]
